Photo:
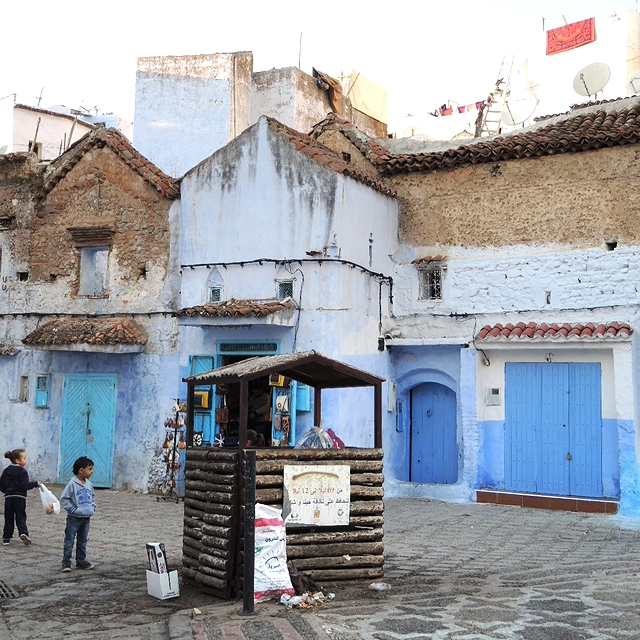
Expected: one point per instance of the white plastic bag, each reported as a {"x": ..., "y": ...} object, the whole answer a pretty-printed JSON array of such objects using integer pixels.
[
  {"x": 271, "y": 577},
  {"x": 48, "y": 501}
]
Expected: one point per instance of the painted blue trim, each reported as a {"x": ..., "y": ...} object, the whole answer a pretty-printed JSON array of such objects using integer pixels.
[{"x": 490, "y": 455}]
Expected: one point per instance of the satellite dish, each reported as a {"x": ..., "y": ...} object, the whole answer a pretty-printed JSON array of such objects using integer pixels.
[
  {"x": 3, "y": 149},
  {"x": 517, "y": 109},
  {"x": 591, "y": 79},
  {"x": 634, "y": 83}
]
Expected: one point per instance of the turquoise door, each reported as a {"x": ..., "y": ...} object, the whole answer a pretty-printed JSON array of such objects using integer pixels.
[
  {"x": 553, "y": 429},
  {"x": 88, "y": 424},
  {"x": 434, "y": 446}
]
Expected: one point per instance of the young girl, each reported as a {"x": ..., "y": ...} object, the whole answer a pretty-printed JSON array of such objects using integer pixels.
[{"x": 14, "y": 483}]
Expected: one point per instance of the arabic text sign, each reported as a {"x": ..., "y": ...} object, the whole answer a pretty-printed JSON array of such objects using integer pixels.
[{"x": 317, "y": 495}]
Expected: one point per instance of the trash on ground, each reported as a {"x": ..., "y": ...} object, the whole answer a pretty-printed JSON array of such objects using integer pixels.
[
  {"x": 306, "y": 600},
  {"x": 380, "y": 586}
]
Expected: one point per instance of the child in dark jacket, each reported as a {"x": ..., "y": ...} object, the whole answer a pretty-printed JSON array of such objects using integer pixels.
[{"x": 14, "y": 483}]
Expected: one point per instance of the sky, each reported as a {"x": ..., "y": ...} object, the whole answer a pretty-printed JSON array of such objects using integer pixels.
[{"x": 424, "y": 53}]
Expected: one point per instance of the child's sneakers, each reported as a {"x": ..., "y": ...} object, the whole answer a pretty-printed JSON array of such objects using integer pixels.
[
  {"x": 25, "y": 538},
  {"x": 66, "y": 567},
  {"x": 84, "y": 565},
  {"x": 6, "y": 543}
]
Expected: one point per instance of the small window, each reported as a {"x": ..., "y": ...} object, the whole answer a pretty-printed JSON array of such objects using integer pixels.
[
  {"x": 23, "y": 276},
  {"x": 24, "y": 389},
  {"x": 93, "y": 271},
  {"x": 36, "y": 148},
  {"x": 42, "y": 391},
  {"x": 215, "y": 294},
  {"x": 430, "y": 283},
  {"x": 285, "y": 289}
]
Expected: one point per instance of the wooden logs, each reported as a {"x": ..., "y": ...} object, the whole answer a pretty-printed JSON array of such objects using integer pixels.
[{"x": 214, "y": 511}]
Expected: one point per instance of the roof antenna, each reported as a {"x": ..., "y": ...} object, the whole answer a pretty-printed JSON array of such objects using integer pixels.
[
  {"x": 300, "y": 50},
  {"x": 40, "y": 97}
]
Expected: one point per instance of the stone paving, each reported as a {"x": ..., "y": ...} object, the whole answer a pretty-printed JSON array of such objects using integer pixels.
[{"x": 454, "y": 571}]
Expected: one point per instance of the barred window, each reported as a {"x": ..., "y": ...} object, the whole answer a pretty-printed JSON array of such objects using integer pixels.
[
  {"x": 215, "y": 294},
  {"x": 285, "y": 289},
  {"x": 430, "y": 283}
]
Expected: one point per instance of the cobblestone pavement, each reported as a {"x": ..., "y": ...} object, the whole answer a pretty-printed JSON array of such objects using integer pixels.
[{"x": 472, "y": 571}]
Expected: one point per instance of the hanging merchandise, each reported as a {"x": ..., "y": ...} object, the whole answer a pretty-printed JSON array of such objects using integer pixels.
[
  {"x": 286, "y": 427},
  {"x": 173, "y": 447},
  {"x": 222, "y": 413},
  {"x": 282, "y": 404}
]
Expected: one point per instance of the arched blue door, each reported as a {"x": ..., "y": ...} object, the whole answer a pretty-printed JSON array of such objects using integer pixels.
[{"x": 434, "y": 446}]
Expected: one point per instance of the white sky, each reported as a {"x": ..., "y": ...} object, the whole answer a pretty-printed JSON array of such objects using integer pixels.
[{"x": 424, "y": 53}]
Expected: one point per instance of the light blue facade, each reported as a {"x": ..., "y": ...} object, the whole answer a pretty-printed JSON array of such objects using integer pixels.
[
  {"x": 259, "y": 212},
  {"x": 146, "y": 388}
]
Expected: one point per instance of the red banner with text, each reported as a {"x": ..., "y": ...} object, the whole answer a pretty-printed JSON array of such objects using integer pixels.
[{"x": 571, "y": 36}]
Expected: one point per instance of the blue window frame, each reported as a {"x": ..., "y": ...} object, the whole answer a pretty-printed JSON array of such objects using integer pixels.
[{"x": 43, "y": 385}]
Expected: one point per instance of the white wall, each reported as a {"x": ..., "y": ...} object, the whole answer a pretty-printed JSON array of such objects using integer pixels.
[
  {"x": 616, "y": 42},
  {"x": 53, "y": 131},
  {"x": 583, "y": 285},
  {"x": 188, "y": 106},
  {"x": 6, "y": 122}
]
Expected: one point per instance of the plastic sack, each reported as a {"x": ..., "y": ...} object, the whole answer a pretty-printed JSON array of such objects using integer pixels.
[
  {"x": 48, "y": 501},
  {"x": 315, "y": 438},
  {"x": 271, "y": 576}
]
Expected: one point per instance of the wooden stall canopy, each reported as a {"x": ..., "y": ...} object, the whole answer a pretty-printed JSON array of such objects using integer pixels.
[{"x": 310, "y": 368}]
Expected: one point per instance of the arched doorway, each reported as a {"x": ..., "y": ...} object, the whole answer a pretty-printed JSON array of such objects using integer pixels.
[{"x": 433, "y": 441}]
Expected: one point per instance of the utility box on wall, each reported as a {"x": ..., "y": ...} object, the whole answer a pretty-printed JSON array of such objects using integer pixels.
[{"x": 493, "y": 397}]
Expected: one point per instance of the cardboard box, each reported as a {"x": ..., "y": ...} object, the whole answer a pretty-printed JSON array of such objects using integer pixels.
[
  {"x": 163, "y": 585},
  {"x": 157, "y": 557}
]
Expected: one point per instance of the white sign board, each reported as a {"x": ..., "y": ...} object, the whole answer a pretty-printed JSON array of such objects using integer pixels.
[{"x": 316, "y": 495}]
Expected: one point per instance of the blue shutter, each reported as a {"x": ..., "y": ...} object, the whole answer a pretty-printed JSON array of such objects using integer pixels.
[
  {"x": 43, "y": 384},
  {"x": 303, "y": 397}
]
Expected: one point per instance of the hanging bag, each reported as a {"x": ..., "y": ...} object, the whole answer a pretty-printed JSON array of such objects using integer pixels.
[
  {"x": 222, "y": 413},
  {"x": 50, "y": 503}
]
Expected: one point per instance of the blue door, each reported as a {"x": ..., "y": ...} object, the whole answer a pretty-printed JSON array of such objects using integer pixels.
[
  {"x": 88, "y": 424},
  {"x": 434, "y": 447},
  {"x": 553, "y": 429}
]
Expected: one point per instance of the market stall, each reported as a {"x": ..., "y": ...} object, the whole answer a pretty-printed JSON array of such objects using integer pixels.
[{"x": 347, "y": 546}]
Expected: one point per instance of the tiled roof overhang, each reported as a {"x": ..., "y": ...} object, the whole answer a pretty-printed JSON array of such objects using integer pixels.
[
  {"x": 580, "y": 132},
  {"x": 601, "y": 126},
  {"x": 237, "y": 309},
  {"x": 118, "y": 143},
  {"x": 113, "y": 335},
  {"x": 532, "y": 331},
  {"x": 325, "y": 156}
]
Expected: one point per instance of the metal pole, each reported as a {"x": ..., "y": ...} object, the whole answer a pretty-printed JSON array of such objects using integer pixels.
[{"x": 248, "y": 587}]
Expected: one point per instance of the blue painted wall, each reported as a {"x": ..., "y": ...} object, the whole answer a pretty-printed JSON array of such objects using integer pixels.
[{"x": 617, "y": 436}]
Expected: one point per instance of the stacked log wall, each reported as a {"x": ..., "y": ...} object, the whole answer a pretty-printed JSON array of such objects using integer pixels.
[
  {"x": 210, "y": 520},
  {"x": 213, "y": 543}
]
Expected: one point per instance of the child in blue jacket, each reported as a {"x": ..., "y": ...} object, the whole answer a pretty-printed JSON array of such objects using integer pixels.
[
  {"x": 14, "y": 483},
  {"x": 78, "y": 500}
]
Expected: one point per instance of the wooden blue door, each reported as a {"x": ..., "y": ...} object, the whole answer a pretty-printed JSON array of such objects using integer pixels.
[
  {"x": 88, "y": 424},
  {"x": 553, "y": 429},
  {"x": 434, "y": 447},
  {"x": 585, "y": 445}
]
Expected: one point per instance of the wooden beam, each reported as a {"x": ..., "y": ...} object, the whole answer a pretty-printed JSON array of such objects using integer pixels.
[
  {"x": 244, "y": 413},
  {"x": 377, "y": 416},
  {"x": 317, "y": 406}
]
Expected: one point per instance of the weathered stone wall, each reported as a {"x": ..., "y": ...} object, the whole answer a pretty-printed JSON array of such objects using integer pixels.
[
  {"x": 18, "y": 176},
  {"x": 333, "y": 139},
  {"x": 583, "y": 199},
  {"x": 102, "y": 191}
]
